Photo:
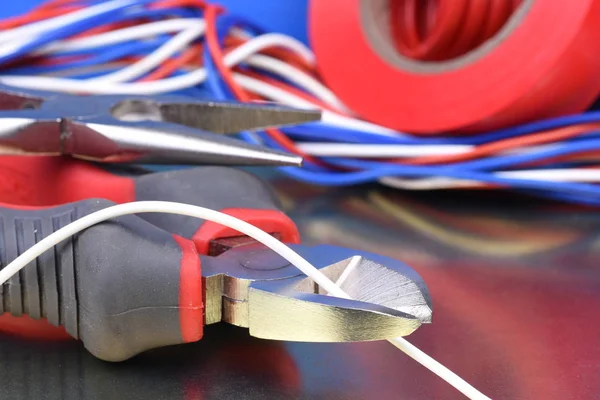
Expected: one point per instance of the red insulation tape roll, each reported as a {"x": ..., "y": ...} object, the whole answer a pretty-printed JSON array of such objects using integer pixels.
[{"x": 542, "y": 62}]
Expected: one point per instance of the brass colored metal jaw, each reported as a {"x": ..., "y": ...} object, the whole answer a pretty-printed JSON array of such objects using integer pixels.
[{"x": 251, "y": 286}]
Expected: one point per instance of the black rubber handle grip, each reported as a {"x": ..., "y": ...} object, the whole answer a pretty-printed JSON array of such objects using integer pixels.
[
  {"x": 217, "y": 188},
  {"x": 116, "y": 285}
]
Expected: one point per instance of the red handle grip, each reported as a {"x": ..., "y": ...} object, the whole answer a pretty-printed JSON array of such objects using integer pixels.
[{"x": 49, "y": 181}]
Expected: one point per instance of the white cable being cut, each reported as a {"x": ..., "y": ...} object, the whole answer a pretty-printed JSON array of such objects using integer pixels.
[{"x": 247, "y": 229}]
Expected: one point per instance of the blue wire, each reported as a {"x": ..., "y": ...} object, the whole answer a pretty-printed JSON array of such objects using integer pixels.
[
  {"x": 227, "y": 21},
  {"x": 368, "y": 175},
  {"x": 115, "y": 15},
  {"x": 335, "y": 134},
  {"x": 94, "y": 74},
  {"x": 583, "y": 193},
  {"x": 503, "y": 162},
  {"x": 213, "y": 80},
  {"x": 490, "y": 164},
  {"x": 521, "y": 130},
  {"x": 319, "y": 131}
]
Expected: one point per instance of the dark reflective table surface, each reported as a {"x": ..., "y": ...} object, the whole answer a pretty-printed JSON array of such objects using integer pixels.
[{"x": 515, "y": 285}]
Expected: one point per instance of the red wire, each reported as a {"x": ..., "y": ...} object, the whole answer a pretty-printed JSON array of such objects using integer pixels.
[
  {"x": 106, "y": 28},
  {"x": 591, "y": 156},
  {"x": 549, "y": 136},
  {"x": 212, "y": 42},
  {"x": 170, "y": 66}
]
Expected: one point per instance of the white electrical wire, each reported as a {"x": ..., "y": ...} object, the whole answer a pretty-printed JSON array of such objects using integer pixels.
[
  {"x": 129, "y": 34},
  {"x": 245, "y": 228},
  {"x": 259, "y": 43},
  {"x": 365, "y": 150},
  {"x": 299, "y": 78},
  {"x": 435, "y": 183},
  {"x": 157, "y": 57},
  {"x": 354, "y": 262},
  {"x": 549, "y": 175},
  {"x": 34, "y": 29},
  {"x": 282, "y": 96},
  {"x": 271, "y": 92},
  {"x": 381, "y": 150},
  {"x": 161, "y": 86}
]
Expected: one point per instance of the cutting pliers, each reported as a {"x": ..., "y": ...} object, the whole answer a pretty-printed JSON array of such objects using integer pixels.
[
  {"x": 148, "y": 130},
  {"x": 141, "y": 282}
]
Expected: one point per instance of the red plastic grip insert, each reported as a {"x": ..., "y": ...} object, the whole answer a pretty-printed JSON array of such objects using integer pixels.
[
  {"x": 271, "y": 221},
  {"x": 191, "y": 292},
  {"x": 48, "y": 181}
]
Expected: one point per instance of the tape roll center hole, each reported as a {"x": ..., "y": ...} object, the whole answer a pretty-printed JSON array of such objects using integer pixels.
[
  {"x": 430, "y": 36},
  {"x": 437, "y": 30}
]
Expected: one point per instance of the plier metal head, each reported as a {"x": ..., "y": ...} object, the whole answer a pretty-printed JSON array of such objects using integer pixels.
[
  {"x": 253, "y": 287},
  {"x": 151, "y": 130}
]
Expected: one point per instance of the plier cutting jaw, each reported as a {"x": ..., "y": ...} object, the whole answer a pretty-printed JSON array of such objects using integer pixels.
[
  {"x": 129, "y": 129},
  {"x": 253, "y": 287},
  {"x": 126, "y": 286}
]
